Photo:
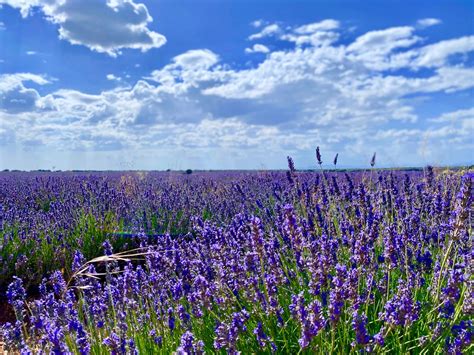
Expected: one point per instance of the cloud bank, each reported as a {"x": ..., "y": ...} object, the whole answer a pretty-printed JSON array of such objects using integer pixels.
[{"x": 350, "y": 97}]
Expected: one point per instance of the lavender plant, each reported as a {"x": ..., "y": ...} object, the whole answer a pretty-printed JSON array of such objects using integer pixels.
[{"x": 238, "y": 262}]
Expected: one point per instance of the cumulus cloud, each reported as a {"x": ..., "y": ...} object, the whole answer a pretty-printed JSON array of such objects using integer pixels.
[
  {"x": 187, "y": 70},
  {"x": 375, "y": 48},
  {"x": 342, "y": 96},
  {"x": 456, "y": 116},
  {"x": 436, "y": 54},
  {"x": 8, "y": 81},
  {"x": 384, "y": 41},
  {"x": 267, "y": 31},
  {"x": 437, "y": 143},
  {"x": 123, "y": 23},
  {"x": 381, "y": 50},
  {"x": 315, "y": 34},
  {"x": 113, "y": 77},
  {"x": 257, "y": 48},
  {"x": 196, "y": 59},
  {"x": 325, "y": 25},
  {"x": 428, "y": 22},
  {"x": 15, "y": 97},
  {"x": 257, "y": 23},
  {"x": 25, "y": 6}
]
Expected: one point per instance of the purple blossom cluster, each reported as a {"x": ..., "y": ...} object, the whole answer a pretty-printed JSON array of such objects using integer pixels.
[{"x": 321, "y": 262}]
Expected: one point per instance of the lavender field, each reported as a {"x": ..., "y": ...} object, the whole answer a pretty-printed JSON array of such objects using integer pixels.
[
  {"x": 193, "y": 177},
  {"x": 227, "y": 262}
]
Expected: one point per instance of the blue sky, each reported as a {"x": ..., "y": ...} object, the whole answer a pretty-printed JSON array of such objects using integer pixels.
[{"x": 135, "y": 84}]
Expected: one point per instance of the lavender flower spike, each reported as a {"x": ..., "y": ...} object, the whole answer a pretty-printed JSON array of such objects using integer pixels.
[
  {"x": 372, "y": 161},
  {"x": 318, "y": 156}
]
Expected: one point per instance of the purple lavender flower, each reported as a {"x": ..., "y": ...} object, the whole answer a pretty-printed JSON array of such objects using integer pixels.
[
  {"x": 113, "y": 342},
  {"x": 452, "y": 291},
  {"x": 372, "y": 161},
  {"x": 291, "y": 164},
  {"x": 58, "y": 283},
  {"x": 108, "y": 250},
  {"x": 227, "y": 334},
  {"x": 171, "y": 319},
  {"x": 359, "y": 325},
  {"x": 337, "y": 294},
  {"x": 401, "y": 309},
  {"x": 78, "y": 261},
  {"x": 318, "y": 156},
  {"x": 311, "y": 318},
  {"x": 183, "y": 315},
  {"x": 461, "y": 337},
  {"x": 186, "y": 345},
  {"x": 222, "y": 336},
  {"x": 313, "y": 324},
  {"x": 13, "y": 336},
  {"x": 16, "y": 296},
  {"x": 261, "y": 336},
  {"x": 132, "y": 347},
  {"x": 379, "y": 338},
  {"x": 157, "y": 339}
]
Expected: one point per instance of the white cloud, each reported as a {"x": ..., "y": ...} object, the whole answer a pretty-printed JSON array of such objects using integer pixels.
[
  {"x": 112, "y": 77},
  {"x": 325, "y": 25},
  {"x": 257, "y": 23},
  {"x": 196, "y": 59},
  {"x": 428, "y": 22},
  {"x": 321, "y": 38},
  {"x": 31, "y": 53},
  {"x": 187, "y": 70},
  {"x": 384, "y": 41},
  {"x": 316, "y": 34},
  {"x": 375, "y": 48},
  {"x": 436, "y": 55},
  {"x": 257, "y": 48},
  {"x": 15, "y": 97},
  {"x": 455, "y": 116},
  {"x": 445, "y": 140},
  {"x": 267, "y": 31},
  {"x": 123, "y": 23},
  {"x": 8, "y": 81},
  {"x": 2, "y": 26},
  {"x": 380, "y": 50},
  {"x": 25, "y": 6}
]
